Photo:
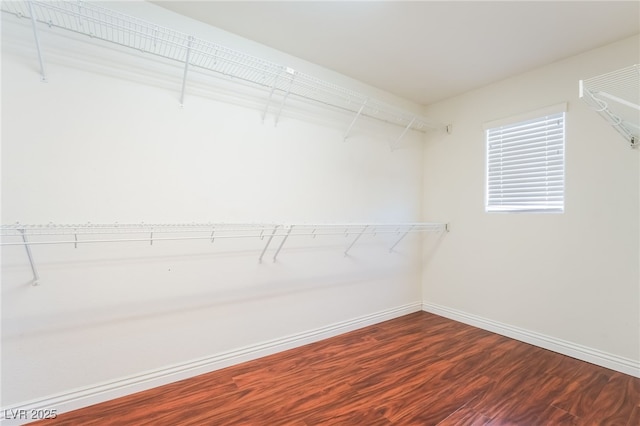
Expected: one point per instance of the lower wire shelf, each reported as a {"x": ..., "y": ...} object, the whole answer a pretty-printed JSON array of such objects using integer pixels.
[{"x": 56, "y": 234}]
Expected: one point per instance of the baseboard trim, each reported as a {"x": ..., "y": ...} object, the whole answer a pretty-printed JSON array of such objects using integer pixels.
[
  {"x": 90, "y": 395},
  {"x": 584, "y": 353}
]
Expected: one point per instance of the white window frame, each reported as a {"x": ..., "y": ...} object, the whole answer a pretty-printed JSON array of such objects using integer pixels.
[{"x": 525, "y": 162}]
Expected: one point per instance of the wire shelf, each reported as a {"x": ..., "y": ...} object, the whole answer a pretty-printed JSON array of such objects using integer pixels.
[
  {"x": 616, "y": 97},
  {"x": 54, "y": 234},
  {"x": 115, "y": 27},
  {"x": 113, "y": 232}
]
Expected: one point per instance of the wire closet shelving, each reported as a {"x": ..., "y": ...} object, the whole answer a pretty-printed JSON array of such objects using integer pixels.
[
  {"x": 616, "y": 97},
  {"x": 78, "y": 234},
  {"x": 278, "y": 81}
]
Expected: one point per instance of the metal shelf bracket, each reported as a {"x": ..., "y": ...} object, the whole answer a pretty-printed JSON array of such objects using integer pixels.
[
  {"x": 400, "y": 239},
  {"x": 286, "y": 95},
  {"x": 43, "y": 74},
  {"x": 275, "y": 256},
  {"x": 273, "y": 88},
  {"x": 266, "y": 246},
  {"x": 36, "y": 276},
  {"x": 346, "y": 134},
  {"x": 404, "y": 132},
  {"x": 186, "y": 69},
  {"x": 355, "y": 240}
]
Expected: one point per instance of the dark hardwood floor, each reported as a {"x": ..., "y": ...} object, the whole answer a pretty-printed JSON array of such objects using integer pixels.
[{"x": 420, "y": 369}]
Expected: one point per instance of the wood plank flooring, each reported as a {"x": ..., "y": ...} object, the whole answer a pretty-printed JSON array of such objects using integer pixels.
[{"x": 420, "y": 369}]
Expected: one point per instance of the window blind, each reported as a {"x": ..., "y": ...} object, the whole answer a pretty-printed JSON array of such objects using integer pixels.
[{"x": 525, "y": 165}]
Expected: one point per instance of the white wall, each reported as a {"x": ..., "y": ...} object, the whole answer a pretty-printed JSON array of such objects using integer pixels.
[
  {"x": 571, "y": 277},
  {"x": 104, "y": 141}
]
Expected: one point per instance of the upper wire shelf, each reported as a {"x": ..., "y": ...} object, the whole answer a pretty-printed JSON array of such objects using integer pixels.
[
  {"x": 616, "y": 97},
  {"x": 77, "y": 234},
  {"x": 115, "y": 27}
]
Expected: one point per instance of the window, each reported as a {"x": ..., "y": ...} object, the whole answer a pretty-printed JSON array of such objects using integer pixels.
[{"x": 525, "y": 164}]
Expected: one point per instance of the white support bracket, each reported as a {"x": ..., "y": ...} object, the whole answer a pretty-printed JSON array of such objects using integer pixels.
[
  {"x": 275, "y": 256},
  {"x": 404, "y": 132},
  {"x": 401, "y": 238},
  {"x": 286, "y": 95},
  {"x": 273, "y": 88},
  {"x": 346, "y": 134},
  {"x": 43, "y": 74},
  {"x": 36, "y": 277},
  {"x": 186, "y": 69},
  {"x": 266, "y": 246},
  {"x": 346, "y": 252}
]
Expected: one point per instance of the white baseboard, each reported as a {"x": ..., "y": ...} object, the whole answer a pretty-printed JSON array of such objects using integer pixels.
[
  {"x": 584, "y": 353},
  {"x": 90, "y": 395}
]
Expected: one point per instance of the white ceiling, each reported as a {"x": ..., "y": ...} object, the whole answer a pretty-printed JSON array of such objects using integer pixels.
[{"x": 424, "y": 51}]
